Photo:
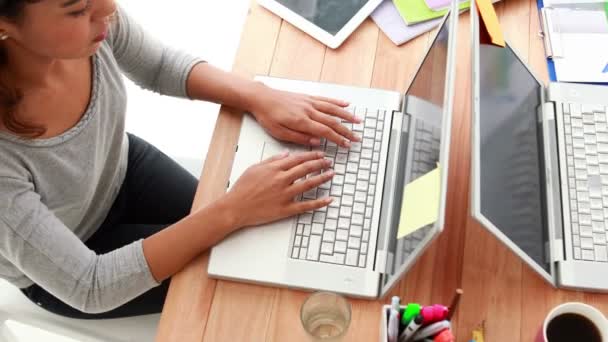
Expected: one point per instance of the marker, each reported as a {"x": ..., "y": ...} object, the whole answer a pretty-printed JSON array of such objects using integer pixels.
[
  {"x": 411, "y": 329},
  {"x": 411, "y": 311},
  {"x": 454, "y": 305},
  {"x": 393, "y": 320},
  {"x": 432, "y": 330},
  {"x": 445, "y": 336},
  {"x": 434, "y": 313}
]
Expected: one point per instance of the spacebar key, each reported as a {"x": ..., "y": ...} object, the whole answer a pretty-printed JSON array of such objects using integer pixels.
[{"x": 313, "y": 247}]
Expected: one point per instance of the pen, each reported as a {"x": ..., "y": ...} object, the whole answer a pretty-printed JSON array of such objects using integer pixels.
[
  {"x": 411, "y": 310},
  {"x": 454, "y": 305},
  {"x": 445, "y": 336},
  {"x": 411, "y": 329},
  {"x": 432, "y": 330},
  {"x": 434, "y": 313},
  {"x": 393, "y": 320}
]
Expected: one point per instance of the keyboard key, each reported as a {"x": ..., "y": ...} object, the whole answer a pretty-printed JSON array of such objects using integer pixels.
[
  {"x": 352, "y": 256},
  {"x": 370, "y": 201},
  {"x": 362, "y": 261},
  {"x": 356, "y": 230},
  {"x": 295, "y": 253},
  {"x": 364, "y": 174},
  {"x": 313, "y": 247},
  {"x": 585, "y": 231},
  {"x": 340, "y": 246},
  {"x": 336, "y": 190},
  {"x": 350, "y": 178},
  {"x": 577, "y": 253},
  {"x": 362, "y": 185},
  {"x": 303, "y": 252},
  {"x": 352, "y": 167},
  {"x": 357, "y": 219},
  {"x": 355, "y": 146},
  {"x": 305, "y": 218},
  {"x": 600, "y": 253},
  {"x": 349, "y": 189},
  {"x": 339, "y": 258},
  {"x": 342, "y": 234},
  {"x": 344, "y": 223},
  {"x": 366, "y": 153},
  {"x": 346, "y": 211},
  {"x": 360, "y": 196},
  {"x": 359, "y": 208},
  {"x": 332, "y": 213},
  {"x": 368, "y": 212},
  {"x": 367, "y": 224},
  {"x": 338, "y": 179},
  {"x": 587, "y": 254},
  {"x": 354, "y": 242},
  {"x": 365, "y": 236},
  {"x": 322, "y": 193},
  {"x": 335, "y": 203},
  {"x": 300, "y": 229},
  {"x": 368, "y": 143},
  {"x": 586, "y": 243},
  {"x": 317, "y": 228},
  {"x": 364, "y": 248},
  {"x": 347, "y": 200},
  {"x": 327, "y": 248},
  {"x": 297, "y": 241},
  {"x": 341, "y": 158},
  {"x": 370, "y": 122},
  {"x": 340, "y": 169},
  {"x": 331, "y": 224},
  {"x": 354, "y": 157}
]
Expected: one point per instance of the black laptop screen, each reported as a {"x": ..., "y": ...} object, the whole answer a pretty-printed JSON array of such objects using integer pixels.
[{"x": 509, "y": 141}]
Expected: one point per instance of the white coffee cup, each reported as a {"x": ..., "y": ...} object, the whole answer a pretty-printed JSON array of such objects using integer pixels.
[{"x": 587, "y": 311}]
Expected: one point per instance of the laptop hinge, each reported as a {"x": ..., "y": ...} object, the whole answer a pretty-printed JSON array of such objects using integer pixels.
[
  {"x": 558, "y": 251},
  {"x": 384, "y": 261},
  {"x": 555, "y": 246}
]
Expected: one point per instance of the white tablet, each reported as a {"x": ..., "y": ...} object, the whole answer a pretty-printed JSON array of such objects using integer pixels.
[{"x": 329, "y": 21}]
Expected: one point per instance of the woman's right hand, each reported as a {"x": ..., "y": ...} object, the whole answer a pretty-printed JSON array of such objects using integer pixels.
[{"x": 266, "y": 191}]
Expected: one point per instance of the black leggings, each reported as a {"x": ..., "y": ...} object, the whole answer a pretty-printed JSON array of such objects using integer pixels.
[{"x": 156, "y": 193}]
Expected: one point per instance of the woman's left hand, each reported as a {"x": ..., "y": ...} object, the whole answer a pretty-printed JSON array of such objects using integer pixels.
[{"x": 303, "y": 119}]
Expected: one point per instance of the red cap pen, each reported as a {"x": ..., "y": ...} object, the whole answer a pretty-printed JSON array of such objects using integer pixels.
[{"x": 434, "y": 313}]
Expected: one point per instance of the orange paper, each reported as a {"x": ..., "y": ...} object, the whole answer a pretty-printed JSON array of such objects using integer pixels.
[{"x": 490, "y": 32}]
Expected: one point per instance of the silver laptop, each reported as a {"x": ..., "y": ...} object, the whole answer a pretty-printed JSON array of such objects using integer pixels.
[
  {"x": 540, "y": 167},
  {"x": 351, "y": 246}
]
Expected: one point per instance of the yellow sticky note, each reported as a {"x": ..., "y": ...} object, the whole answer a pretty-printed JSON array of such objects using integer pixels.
[
  {"x": 490, "y": 27},
  {"x": 420, "y": 205}
]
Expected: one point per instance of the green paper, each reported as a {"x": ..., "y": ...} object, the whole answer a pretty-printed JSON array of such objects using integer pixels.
[{"x": 416, "y": 11}]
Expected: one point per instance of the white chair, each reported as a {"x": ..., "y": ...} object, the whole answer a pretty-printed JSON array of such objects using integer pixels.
[{"x": 15, "y": 306}]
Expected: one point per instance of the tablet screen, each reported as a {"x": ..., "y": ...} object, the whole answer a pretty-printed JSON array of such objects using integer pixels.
[{"x": 329, "y": 15}]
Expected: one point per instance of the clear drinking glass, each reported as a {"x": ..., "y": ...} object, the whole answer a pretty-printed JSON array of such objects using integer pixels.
[{"x": 325, "y": 316}]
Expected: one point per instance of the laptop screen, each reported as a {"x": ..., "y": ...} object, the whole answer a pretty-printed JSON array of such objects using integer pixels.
[
  {"x": 509, "y": 161},
  {"x": 330, "y": 15},
  {"x": 419, "y": 150}
]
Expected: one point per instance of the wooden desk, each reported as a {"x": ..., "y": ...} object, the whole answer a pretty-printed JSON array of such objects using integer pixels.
[{"x": 498, "y": 287}]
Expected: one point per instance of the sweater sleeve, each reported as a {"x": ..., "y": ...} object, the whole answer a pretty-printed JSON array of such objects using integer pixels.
[
  {"x": 49, "y": 253},
  {"x": 146, "y": 61}
]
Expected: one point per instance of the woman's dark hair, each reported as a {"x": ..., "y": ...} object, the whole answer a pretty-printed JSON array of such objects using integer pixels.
[{"x": 10, "y": 97}]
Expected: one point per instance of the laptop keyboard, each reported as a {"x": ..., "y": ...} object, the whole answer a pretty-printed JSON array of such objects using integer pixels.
[
  {"x": 426, "y": 154},
  {"x": 340, "y": 233},
  {"x": 586, "y": 131}
]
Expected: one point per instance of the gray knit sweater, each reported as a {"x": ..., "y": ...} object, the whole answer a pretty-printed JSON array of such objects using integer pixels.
[{"x": 55, "y": 193}]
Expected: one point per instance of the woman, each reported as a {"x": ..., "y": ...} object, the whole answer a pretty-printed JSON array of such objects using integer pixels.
[{"x": 93, "y": 220}]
